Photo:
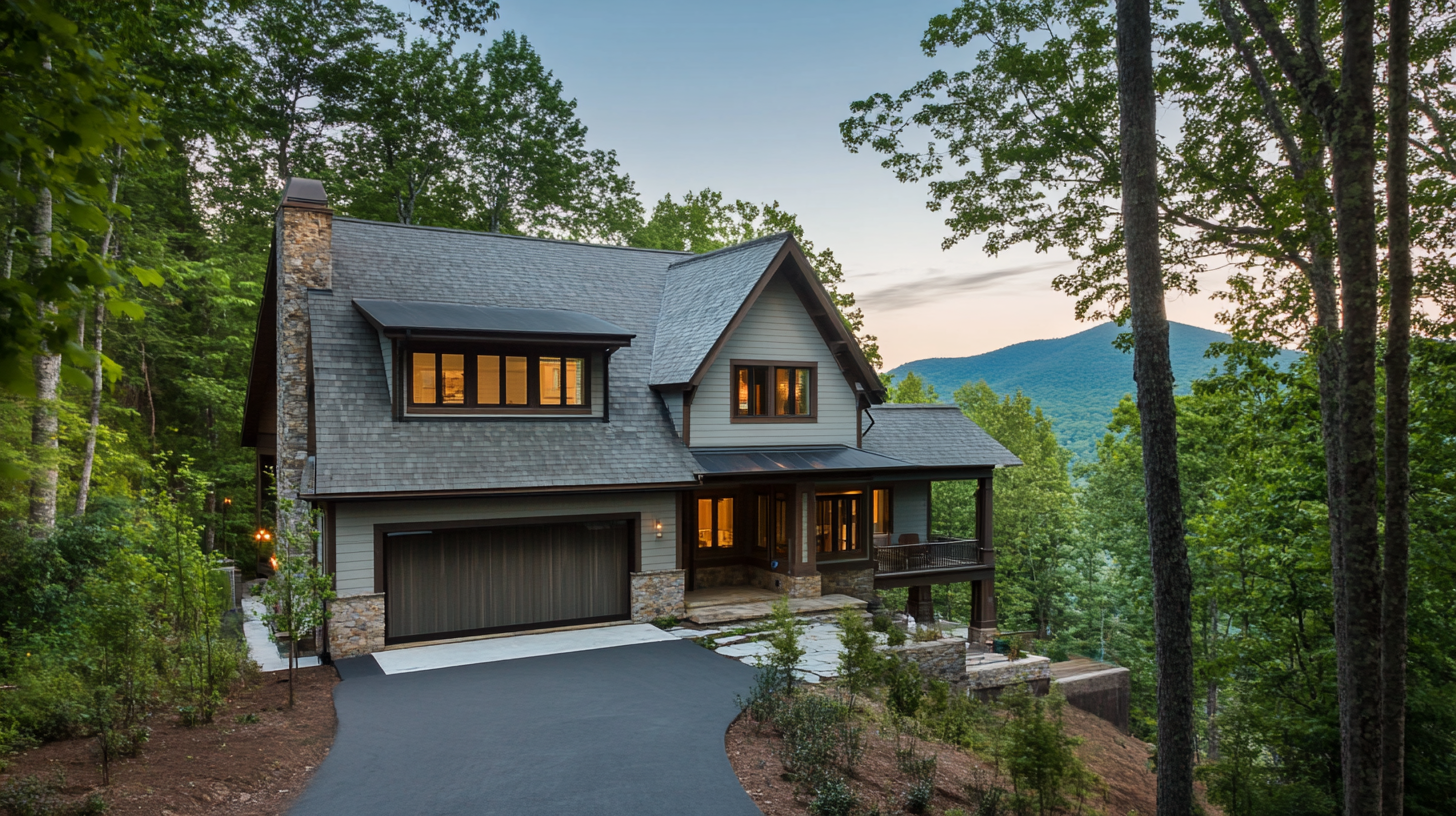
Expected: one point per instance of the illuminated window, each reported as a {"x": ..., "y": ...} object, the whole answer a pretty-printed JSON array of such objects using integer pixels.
[
  {"x": 838, "y": 524},
  {"x": 715, "y": 523},
  {"x": 772, "y": 533},
  {"x": 462, "y": 382},
  {"x": 881, "y": 511},
  {"x": 768, "y": 391}
]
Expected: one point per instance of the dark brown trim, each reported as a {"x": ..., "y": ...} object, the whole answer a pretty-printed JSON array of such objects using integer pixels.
[
  {"x": 505, "y": 491},
  {"x": 514, "y": 521},
  {"x": 847, "y": 564},
  {"x": 950, "y": 575},
  {"x": 331, "y": 544},
  {"x": 495, "y": 630},
  {"x": 687, "y": 413},
  {"x": 772, "y": 365},
  {"x": 470, "y": 408}
]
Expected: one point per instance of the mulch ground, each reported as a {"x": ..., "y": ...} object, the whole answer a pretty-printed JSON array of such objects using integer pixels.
[
  {"x": 1120, "y": 760},
  {"x": 226, "y": 767}
]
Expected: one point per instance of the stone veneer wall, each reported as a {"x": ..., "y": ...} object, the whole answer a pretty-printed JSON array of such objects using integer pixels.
[
  {"x": 854, "y": 583},
  {"x": 356, "y": 625},
  {"x": 943, "y": 659},
  {"x": 658, "y": 594},
  {"x": 709, "y": 577},
  {"x": 767, "y": 579},
  {"x": 804, "y": 586},
  {"x": 305, "y": 261},
  {"x": 988, "y": 680}
]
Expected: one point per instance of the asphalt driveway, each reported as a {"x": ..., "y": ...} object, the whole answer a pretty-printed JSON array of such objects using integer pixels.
[{"x": 625, "y": 730}]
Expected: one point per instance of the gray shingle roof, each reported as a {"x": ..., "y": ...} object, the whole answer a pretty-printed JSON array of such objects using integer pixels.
[
  {"x": 803, "y": 459},
  {"x": 702, "y": 295},
  {"x": 933, "y": 436},
  {"x": 361, "y": 450},
  {"x": 500, "y": 321}
]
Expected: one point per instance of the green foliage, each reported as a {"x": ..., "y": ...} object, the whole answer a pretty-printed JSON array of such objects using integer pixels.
[
  {"x": 814, "y": 745},
  {"x": 784, "y": 650},
  {"x": 958, "y": 719},
  {"x": 1039, "y": 756},
  {"x": 834, "y": 797},
  {"x": 32, "y": 796},
  {"x": 296, "y": 596},
  {"x": 905, "y": 690},
  {"x": 912, "y": 389},
  {"x": 860, "y": 664},
  {"x": 665, "y": 622}
]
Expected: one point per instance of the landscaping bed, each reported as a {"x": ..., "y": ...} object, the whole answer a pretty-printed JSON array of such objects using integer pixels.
[{"x": 254, "y": 758}]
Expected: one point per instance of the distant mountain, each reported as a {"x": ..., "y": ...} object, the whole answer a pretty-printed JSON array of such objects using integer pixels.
[{"x": 1076, "y": 380}]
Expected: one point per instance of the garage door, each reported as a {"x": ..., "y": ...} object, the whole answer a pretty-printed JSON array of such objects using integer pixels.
[{"x": 463, "y": 581}]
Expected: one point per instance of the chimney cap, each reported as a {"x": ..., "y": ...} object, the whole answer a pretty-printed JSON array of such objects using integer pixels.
[{"x": 302, "y": 192}]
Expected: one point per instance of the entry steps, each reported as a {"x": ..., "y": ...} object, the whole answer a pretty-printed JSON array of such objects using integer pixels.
[{"x": 729, "y": 604}]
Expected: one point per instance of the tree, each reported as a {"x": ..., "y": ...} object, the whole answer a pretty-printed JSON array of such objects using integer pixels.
[
  {"x": 1153, "y": 373},
  {"x": 911, "y": 390},
  {"x": 296, "y": 597},
  {"x": 406, "y": 115}
]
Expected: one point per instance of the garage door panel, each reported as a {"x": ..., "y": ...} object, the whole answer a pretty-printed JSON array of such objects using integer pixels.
[{"x": 496, "y": 578}]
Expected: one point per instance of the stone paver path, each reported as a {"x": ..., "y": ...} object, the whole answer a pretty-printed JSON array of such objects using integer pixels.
[{"x": 261, "y": 649}]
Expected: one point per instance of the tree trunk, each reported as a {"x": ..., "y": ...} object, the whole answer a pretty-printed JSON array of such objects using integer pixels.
[
  {"x": 1351, "y": 132},
  {"x": 44, "y": 420},
  {"x": 1397, "y": 421},
  {"x": 88, "y": 459},
  {"x": 1153, "y": 372},
  {"x": 209, "y": 530},
  {"x": 1210, "y": 705}
]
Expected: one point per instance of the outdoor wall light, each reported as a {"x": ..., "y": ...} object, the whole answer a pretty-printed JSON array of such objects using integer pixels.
[{"x": 659, "y": 528}]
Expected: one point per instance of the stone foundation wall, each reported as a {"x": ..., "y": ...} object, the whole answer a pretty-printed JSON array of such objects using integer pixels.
[
  {"x": 709, "y": 577},
  {"x": 943, "y": 659},
  {"x": 987, "y": 681},
  {"x": 803, "y": 586},
  {"x": 767, "y": 579},
  {"x": 854, "y": 583},
  {"x": 356, "y": 625},
  {"x": 658, "y": 594}
]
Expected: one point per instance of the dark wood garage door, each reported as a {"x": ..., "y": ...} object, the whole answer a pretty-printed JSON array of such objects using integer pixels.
[{"x": 455, "y": 582}]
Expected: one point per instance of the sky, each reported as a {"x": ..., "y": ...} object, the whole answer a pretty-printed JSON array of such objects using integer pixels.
[{"x": 746, "y": 98}]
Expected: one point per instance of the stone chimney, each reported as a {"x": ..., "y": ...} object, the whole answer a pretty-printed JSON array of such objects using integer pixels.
[{"x": 304, "y": 240}]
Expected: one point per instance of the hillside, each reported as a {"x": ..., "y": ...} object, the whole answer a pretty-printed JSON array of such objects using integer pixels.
[{"x": 1076, "y": 380}]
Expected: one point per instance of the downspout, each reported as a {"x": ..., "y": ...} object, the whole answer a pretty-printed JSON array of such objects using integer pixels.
[{"x": 607, "y": 385}]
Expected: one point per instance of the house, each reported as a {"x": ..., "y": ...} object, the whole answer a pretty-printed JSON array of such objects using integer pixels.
[{"x": 507, "y": 434}]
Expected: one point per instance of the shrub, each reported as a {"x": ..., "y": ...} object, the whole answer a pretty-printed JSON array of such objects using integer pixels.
[
  {"x": 918, "y": 795},
  {"x": 33, "y": 796},
  {"x": 957, "y": 719},
  {"x": 926, "y": 634},
  {"x": 882, "y": 622},
  {"x": 895, "y": 636},
  {"x": 834, "y": 797},
  {"x": 765, "y": 697},
  {"x": 782, "y": 637},
  {"x": 904, "y": 681},
  {"x": 860, "y": 665},
  {"x": 1038, "y": 752},
  {"x": 665, "y": 622},
  {"x": 246, "y": 719},
  {"x": 813, "y": 739}
]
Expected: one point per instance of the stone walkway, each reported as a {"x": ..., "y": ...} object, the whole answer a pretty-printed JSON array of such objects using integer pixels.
[
  {"x": 728, "y": 613},
  {"x": 261, "y": 649}
]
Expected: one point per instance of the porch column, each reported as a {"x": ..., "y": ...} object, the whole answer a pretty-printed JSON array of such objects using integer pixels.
[
  {"x": 804, "y": 580},
  {"x": 921, "y": 605},
  {"x": 983, "y": 592}
]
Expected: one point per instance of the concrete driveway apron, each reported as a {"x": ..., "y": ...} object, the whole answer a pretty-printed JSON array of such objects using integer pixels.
[{"x": 625, "y": 730}]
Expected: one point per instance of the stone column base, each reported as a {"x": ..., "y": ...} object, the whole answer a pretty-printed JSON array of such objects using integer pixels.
[
  {"x": 804, "y": 586},
  {"x": 854, "y": 583},
  {"x": 658, "y": 594},
  {"x": 356, "y": 625}
]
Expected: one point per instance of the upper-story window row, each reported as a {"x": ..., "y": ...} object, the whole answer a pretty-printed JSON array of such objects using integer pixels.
[
  {"x": 782, "y": 391},
  {"x": 483, "y": 381}
]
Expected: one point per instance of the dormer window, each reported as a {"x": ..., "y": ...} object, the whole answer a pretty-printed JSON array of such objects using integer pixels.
[
  {"x": 446, "y": 380},
  {"x": 773, "y": 392}
]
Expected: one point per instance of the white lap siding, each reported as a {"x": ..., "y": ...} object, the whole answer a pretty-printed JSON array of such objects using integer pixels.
[
  {"x": 354, "y": 525},
  {"x": 776, "y": 328}
]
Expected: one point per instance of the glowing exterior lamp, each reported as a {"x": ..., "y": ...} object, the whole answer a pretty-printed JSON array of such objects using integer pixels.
[{"x": 659, "y": 528}]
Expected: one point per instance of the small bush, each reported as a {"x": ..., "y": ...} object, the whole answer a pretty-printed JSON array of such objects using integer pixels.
[
  {"x": 926, "y": 634},
  {"x": 813, "y": 739},
  {"x": 895, "y": 636},
  {"x": 246, "y": 719},
  {"x": 904, "y": 681},
  {"x": 127, "y": 742},
  {"x": 918, "y": 795},
  {"x": 834, "y": 797},
  {"x": 860, "y": 665},
  {"x": 957, "y": 718},
  {"x": 665, "y": 622},
  {"x": 765, "y": 698},
  {"x": 782, "y": 637},
  {"x": 883, "y": 623},
  {"x": 1039, "y": 755},
  {"x": 33, "y": 796}
]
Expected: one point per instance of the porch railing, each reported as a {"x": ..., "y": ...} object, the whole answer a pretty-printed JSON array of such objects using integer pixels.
[{"x": 937, "y": 553}]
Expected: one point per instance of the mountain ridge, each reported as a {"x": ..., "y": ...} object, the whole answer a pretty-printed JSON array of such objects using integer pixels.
[{"x": 1076, "y": 380}]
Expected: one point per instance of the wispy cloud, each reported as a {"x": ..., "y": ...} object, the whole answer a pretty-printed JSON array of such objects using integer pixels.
[{"x": 941, "y": 284}]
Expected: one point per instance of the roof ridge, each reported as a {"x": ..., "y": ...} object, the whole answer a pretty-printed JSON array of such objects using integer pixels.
[
  {"x": 480, "y": 234},
  {"x": 917, "y": 405},
  {"x": 733, "y": 248}
]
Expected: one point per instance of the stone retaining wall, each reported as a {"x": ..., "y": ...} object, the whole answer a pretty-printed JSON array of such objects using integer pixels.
[
  {"x": 804, "y": 586},
  {"x": 356, "y": 625},
  {"x": 1107, "y": 693},
  {"x": 854, "y": 583},
  {"x": 986, "y": 681},
  {"x": 943, "y": 659},
  {"x": 658, "y": 594}
]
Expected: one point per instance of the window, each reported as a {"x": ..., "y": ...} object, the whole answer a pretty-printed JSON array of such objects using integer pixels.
[
  {"x": 766, "y": 391},
  {"x": 881, "y": 511},
  {"x": 838, "y": 524},
  {"x": 715, "y": 523},
  {"x": 456, "y": 382},
  {"x": 773, "y": 525}
]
